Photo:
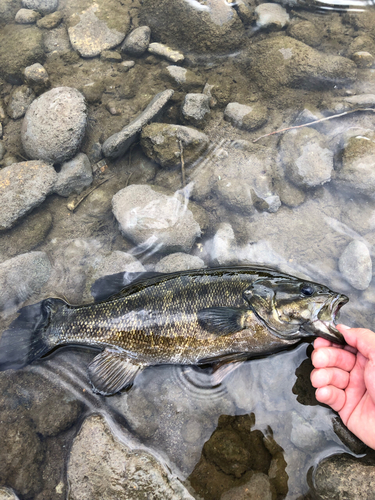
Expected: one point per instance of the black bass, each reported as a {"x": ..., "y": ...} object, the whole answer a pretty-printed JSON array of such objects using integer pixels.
[{"x": 207, "y": 316}]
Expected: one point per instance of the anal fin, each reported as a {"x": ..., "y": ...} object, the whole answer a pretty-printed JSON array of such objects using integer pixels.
[{"x": 112, "y": 370}]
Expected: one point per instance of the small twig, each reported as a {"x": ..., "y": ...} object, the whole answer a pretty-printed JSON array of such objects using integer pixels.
[
  {"x": 182, "y": 164},
  {"x": 74, "y": 204},
  {"x": 128, "y": 179},
  {"x": 313, "y": 123}
]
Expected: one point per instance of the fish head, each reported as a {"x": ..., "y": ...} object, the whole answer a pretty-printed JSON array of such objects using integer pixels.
[{"x": 293, "y": 308}]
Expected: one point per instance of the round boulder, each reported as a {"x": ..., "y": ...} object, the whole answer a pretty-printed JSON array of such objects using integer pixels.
[{"x": 54, "y": 125}]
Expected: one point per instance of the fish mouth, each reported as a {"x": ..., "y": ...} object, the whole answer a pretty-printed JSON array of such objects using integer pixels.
[{"x": 324, "y": 325}]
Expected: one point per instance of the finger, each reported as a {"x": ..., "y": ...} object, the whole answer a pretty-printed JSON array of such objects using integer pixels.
[
  {"x": 329, "y": 376},
  {"x": 331, "y": 396},
  {"x": 361, "y": 339},
  {"x": 320, "y": 342},
  {"x": 326, "y": 357}
]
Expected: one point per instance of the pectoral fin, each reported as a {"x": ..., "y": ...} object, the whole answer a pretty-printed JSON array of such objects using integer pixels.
[
  {"x": 221, "y": 320},
  {"x": 112, "y": 370}
]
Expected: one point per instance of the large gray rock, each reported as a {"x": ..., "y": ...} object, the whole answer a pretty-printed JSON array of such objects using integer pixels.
[
  {"x": 355, "y": 265},
  {"x": 24, "y": 186},
  {"x": 306, "y": 157},
  {"x": 91, "y": 35},
  {"x": 343, "y": 477},
  {"x": 54, "y": 125},
  {"x": 155, "y": 219},
  {"x": 119, "y": 143},
  {"x": 21, "y": 277},
  {"x": 42, "y": 6},
  {"x": 74, "y": 176},
  {"x": 214, "y": 26},
  {"x": 124, "y": 474},
  {"x": 284, "y": 61},
  {"x": 161, "y": 142}
]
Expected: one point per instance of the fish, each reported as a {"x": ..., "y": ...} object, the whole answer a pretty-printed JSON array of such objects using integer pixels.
[{"x": 213, "y": 316}]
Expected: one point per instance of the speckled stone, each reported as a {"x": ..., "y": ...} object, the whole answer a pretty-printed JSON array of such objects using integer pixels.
[{"x": 27, "y": 16}]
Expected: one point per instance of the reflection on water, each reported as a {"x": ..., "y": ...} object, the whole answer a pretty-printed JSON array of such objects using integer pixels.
[{"x": 207, "y": 195}]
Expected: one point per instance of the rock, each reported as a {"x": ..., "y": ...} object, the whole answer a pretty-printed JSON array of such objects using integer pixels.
[
  {"x": 117, "y": 262},
  {"x": 304, "y": 436},
  {"x": 37, "y": 77},
  {"x": 184, "y": 78},
  {"x": 161, "y": 142},
  {"x": 19, "y": 101},
  {"x": 91, "y": 35},
  {"x": 7, "y": 494},
  {"x": 119, "y": 143},
  {"x": 213, "y": 27},
  {"x": 12, "y": 60},
  {"x": 27, "y": 16},
  {"x": 258, "y": 488},
  {"x": 126, "y": 65},
  {"x": 51, "y": 21},
  {"x": 124, "y": 474},
  {"x": 26, "y": 236},
  {"x": 178, "y": 262},
  {"x": 23, "y": 186},
  {"x": 137, "y": 42},
  {"x": 57, "y": 42},
  {"x": 222, "y": 247},
  {"x": 271, "y": 16},
  {"x": 284, "y": 61},
  {"x": 110, "y": 56},
  {"x": 362, "y": 43},
  {"x": 54, "y": 125},
  {"x": 42, "y": 6},
  {"x": 159, "y": 49},
  {"x": 363, "y": 59},
  {"x": 305, "y": 155},
  {"x": 306, "y": 32},
  {"x": 355, "y": 265},
  {"x": 22, "y": 277},
  {"x": 74, "y": 176},
  {"x": 343, "y": 477},
  {"x": 8, "y": 9},
  {"x": 246, "y": 117},
  {"x": 195, "y": 108},
  {"x": 357, "y": 172},
  {"x": 152, "y": 218}
]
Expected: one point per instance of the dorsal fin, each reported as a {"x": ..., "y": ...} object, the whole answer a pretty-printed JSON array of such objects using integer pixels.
[
  {"x": 109, "y": 286},
  {"x": 112, "y": 370}
]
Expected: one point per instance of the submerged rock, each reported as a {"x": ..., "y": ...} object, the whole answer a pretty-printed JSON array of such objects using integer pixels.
[
  {"x": 42, "y": 6},
  {"x": 137, "y": 42},
  {"x": 74, "y": 176},
  {"x": 159, "y": 49},
  {"x": 155, "y": 219},
  {"x": 306, "y": 32},
  {"x": 355, "y": 265},
  {"x": 178, "y": 262},
  {"x": 54, "y": 125},
  {"x": 27, "y": 16},
  {"x": 90, "y": 36},
  {"x": 195, "y": 108},
  {"x": 246, "y": 117},
  {"x": 119, "y": 143},
  {"x": 305, "y": 155},
  {"x": 21, "y": 277},
  {"x": 161, "y": 142},
  {"x": 19, "y": 101},
  {"x": 23, "y": 186},
  {"x": 124, "y": 474},
  {"x": 37, "y": 77},
  {"x": 184, "y": 78},
  {"x": 271, "y": 16}
]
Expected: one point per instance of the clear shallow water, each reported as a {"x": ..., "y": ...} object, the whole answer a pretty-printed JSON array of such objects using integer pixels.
[{"x": 173, "y": 411}]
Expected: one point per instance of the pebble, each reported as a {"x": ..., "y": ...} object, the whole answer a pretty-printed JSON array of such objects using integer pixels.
[
  {"x": 96, "y": 448},
  {"x": 184, "y": 78},
  {"x": 305, "y": 155},
  {"x": 37, "y": 77},
  {"x": 162, "y": 143},
  {"x": 155, "y": 219},
  {"x": 159, "y": 49},
  {"x": 23, "y": 186},
  {"x": 137, "y": 42},
  {"x": 74, "y": 176},
  {"x": 363, "y": 59},
  {"x": 51, "y": 21},
  {"x": 27, "y": 16},
  {"x": 126, "y": 65},
  {"x": 271, "y": 16},
  {"x": 42, "y": 6},
  {"x": 21, "y": 277},
  {"x": 91, "y": 35},
  {"x": 110, "y": 56},
  {"x": 19, "y": 101},
  {"x": 355, "y": 265},
  {"x": 246, "y": 117},
  {"x": 119, "y": 143},
  {"x": 54, "y": 125},
  {"x": 195, "y": 108},
  {"x": 179, "y": 262}
]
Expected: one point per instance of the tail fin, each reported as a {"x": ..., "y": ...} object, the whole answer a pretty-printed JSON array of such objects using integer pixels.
[{"x": 27, "y": 339}]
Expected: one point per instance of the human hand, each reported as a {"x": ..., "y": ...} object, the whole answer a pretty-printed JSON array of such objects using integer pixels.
[{"x": 345, "y": 379}]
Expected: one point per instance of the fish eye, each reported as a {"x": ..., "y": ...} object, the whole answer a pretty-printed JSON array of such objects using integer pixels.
[{"x": 307, "y": 290}]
